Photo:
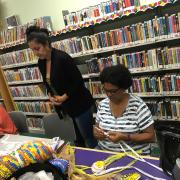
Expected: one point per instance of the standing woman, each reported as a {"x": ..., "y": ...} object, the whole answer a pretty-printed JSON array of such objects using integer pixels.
[{"x": 64, "y": 83}]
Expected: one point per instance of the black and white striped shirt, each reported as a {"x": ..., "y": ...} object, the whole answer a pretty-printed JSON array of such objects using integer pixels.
[{"x": 136, "y": 118}]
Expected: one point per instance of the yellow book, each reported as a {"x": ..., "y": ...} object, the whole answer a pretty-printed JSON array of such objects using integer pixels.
[{"x": 160, "y": 85}]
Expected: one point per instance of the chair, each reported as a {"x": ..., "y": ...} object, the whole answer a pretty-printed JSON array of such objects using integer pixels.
[
  {"x": 19, "y": 120},
  {"x": 56, "y": 127}
]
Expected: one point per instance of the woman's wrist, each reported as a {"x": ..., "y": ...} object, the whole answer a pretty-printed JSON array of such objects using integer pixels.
[
  {"x": 64, "y": 97},
  {"x": 124, "y": 137},
  {"x": 128, "y": 137}
]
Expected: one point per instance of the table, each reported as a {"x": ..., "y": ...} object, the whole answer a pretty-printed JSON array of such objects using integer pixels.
[{"x": 88, "y": 157}]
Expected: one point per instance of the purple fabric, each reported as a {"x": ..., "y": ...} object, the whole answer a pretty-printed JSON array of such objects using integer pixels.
[{"x": 88, "y": 157}]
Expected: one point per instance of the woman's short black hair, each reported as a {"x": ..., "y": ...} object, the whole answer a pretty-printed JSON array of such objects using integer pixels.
[
  {"x": 40, "y": 35},
  {"x": 117, "y": 75}
]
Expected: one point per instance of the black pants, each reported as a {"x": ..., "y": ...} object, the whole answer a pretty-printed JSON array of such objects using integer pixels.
[{"x": 83, "y": 125}]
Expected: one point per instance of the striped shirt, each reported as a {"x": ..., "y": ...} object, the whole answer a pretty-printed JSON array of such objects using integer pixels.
[{"x": 136, "y": 118}]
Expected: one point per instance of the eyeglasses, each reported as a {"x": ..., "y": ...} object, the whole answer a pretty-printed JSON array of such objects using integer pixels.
[{"x": 110, "y": 91}]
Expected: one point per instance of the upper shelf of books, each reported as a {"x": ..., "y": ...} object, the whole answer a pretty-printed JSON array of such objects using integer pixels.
[{"x": 88, "y": 17}]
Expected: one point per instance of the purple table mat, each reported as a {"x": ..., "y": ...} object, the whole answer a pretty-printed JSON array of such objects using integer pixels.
[{"x": 88, "y": 157}]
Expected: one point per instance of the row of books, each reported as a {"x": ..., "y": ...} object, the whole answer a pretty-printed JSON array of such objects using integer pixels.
[
  {"x": 158, "y": 28},
  {"x": 105, "y": 10},
  {"x": 17, "y": 57},
  {"x": 98, "y": 11},
  {"x": 95, "y": 87},
  {"x": 143, "y": 85},
  {"x": 16, "y": 35},
  {"x": 27, "y": 91},
  {"x": 169, "y": 83},
  {"x": 34, "y": 107},
  {"x": 35, "y": 123},
  {"x": 165, "y": 109},
  {"x": 23, "y": 74},
  {"x": 144, "y": 60}
]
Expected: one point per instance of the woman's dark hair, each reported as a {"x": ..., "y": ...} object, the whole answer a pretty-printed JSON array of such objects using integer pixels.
[
  {"x": 40, "y": 35},
  {"x": 117, "y": 75}
]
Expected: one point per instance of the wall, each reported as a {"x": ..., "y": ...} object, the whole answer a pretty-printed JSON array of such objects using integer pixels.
[{"x": 29, "y": 9}]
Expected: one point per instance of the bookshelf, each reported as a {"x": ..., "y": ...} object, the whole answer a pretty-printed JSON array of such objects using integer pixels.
[
  {"x": 5, "y": 93},
  {"x": 75, "y": 39},
  {"x": 106, "y": 15}
]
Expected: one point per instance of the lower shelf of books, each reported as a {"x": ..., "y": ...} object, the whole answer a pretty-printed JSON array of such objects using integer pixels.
[{"x": 35, "y": 125}]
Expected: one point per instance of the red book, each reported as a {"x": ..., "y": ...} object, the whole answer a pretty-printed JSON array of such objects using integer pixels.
[
  {"x": 166, "y": 87},
  {"x": 178, "y": 83},
  {"x": 127, "y": 35},
  {"x": 97, "y": 12},
  {"x": 118, "y": 37},
  {"x": 172, "y": 22},
  {"x": 111, "y": 7},
  {"x": 127, "y": 3}
]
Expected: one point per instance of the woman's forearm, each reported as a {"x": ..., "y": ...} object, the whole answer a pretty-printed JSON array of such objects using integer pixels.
[
  {"x": 142, "y": 137},
  {"x": 65, "y": 97}
]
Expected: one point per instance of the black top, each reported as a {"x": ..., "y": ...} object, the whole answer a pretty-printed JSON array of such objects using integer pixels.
[{"x": 66, "y": 78}]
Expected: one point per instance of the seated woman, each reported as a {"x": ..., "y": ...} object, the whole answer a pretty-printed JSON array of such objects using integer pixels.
[
  {"x": 6, "y": 124},
  {"x": 122, "y": 116}
]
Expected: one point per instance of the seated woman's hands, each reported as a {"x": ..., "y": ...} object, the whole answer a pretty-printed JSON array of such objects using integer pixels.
[
  {"x": 111, "y": 135},
  {"x": 99, "y": 133},
  {"x": 116, "y": 136}
]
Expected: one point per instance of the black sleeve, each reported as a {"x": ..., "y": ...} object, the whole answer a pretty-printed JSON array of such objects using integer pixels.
[{"x": 74, "y": 80}]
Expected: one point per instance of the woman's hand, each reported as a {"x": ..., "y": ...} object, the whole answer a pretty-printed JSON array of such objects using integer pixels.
[
  {"x": 54, "y": 101},
  {"x": 99, "y": 133},
  {"x": 115, "y": 136},
  {"x": 58, "y": 100}
]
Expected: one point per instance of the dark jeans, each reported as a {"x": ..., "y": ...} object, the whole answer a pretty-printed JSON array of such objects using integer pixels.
[{"x": 83, "y": 126}]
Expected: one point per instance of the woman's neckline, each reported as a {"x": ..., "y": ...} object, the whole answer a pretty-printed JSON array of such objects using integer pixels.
[{"x": 129, "y": 97}]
